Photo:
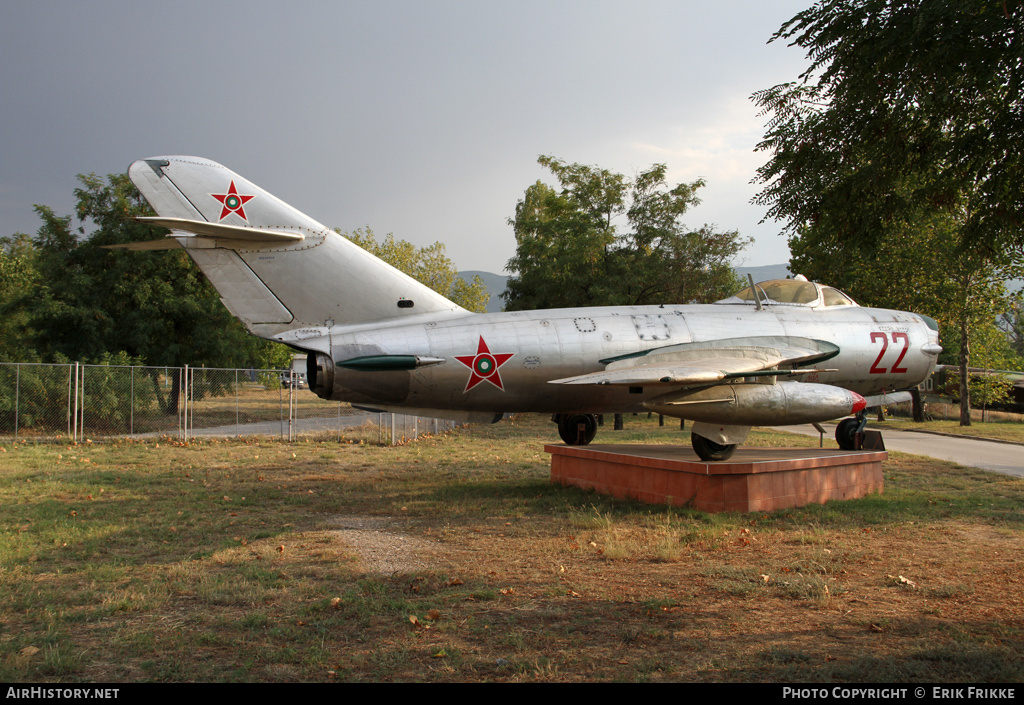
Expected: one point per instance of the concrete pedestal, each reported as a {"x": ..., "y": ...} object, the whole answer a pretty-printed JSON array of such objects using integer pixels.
[{"x": 754, "y": 479}]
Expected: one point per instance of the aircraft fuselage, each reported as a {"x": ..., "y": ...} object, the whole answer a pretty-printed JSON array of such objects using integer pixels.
[{"x": 503, "y": 362}]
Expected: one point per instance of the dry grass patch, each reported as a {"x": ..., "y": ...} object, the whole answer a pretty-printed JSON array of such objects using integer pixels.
[{"x": 455, "y": 559}]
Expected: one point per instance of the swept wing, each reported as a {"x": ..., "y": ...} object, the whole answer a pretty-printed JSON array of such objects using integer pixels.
[{"x": 700, "y": 364}]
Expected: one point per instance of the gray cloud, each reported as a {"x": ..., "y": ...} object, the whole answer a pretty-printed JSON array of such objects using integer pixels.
[{"x": 423, "y": 119}]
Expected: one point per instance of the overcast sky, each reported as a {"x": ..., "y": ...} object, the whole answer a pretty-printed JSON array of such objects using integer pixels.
[{"x": 421, "y": 118}]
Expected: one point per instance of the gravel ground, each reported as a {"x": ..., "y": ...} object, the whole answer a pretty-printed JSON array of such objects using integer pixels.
[{"x": 382, "y": 546}]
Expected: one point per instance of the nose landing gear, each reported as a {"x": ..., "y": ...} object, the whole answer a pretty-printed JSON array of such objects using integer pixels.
[{"x": 848, "y": 432}]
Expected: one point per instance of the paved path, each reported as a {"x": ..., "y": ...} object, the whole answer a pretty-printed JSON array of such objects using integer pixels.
[
  {"x": 1006, "y": 458},
  {"x": 277, "y": 427},
  {"x": 404, "y": 426},
  {"x": 280, "y": 427}
]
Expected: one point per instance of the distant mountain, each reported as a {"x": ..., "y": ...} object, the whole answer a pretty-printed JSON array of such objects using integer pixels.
[
  {"x": 495, "y": 286},
  {"x": 764, "y": 272},
  {"x": 496, "y": 282}
]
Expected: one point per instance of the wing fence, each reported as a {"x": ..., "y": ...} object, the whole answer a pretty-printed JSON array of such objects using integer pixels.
[{"x": 77, "y": 401}]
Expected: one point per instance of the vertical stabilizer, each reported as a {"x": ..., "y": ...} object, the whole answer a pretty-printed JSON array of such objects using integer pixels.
[{"x": 275, "y": 268}]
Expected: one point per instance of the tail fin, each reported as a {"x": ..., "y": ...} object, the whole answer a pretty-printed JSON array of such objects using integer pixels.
[{"x": 275, "y": 268}]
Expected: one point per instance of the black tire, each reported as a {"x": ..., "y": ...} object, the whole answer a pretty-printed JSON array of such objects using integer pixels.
[
  {"x": 846, "y": 434},
  {"x": 709, "y": 451},
  {"x": 569, "y": 428}
]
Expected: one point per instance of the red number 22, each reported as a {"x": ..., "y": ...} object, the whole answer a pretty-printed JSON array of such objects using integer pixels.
[{"x": 896, "y": 369}]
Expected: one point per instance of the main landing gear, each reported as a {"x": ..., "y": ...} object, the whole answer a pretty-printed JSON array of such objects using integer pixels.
[
  {"x": 709, "y": 451},
  {"x": 848, "y": 431},
  {"x": 576, "y": 429},
  {"x": 580, "y": 429}
]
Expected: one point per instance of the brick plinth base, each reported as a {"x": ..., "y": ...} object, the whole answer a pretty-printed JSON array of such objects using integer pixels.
[{"x": 754, "y": 479}]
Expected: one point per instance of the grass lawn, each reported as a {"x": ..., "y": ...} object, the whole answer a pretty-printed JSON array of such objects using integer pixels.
[{"x": 454, "y": 559}]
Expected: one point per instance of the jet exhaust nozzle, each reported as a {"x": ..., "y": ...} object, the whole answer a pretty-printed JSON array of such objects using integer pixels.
[{"x": 320, "y": 374}]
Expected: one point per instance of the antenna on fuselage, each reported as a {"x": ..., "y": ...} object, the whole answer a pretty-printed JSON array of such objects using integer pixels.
[{"x": 753, "y": 288}]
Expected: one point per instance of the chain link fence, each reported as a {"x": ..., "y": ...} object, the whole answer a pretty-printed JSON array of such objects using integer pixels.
[{"x": 76, "y": 401}]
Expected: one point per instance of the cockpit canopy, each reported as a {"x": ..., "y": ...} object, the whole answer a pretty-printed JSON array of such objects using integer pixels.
[{"x": 790, "y": 292}]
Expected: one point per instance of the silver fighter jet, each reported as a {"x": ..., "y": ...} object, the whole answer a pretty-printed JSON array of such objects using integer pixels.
[{"x": 780, "y": 352}]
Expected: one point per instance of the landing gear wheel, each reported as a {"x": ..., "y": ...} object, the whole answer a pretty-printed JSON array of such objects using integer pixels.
[
  {"x": 846, "y": 433},
  {"x": 569, "y": 428},
  {"x": 709, "y": 451}
]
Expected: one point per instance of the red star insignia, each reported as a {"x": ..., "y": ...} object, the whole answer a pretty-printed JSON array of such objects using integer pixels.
[
  {"x": 232, "y": 202},
  {"x": 484, "y": 366}
]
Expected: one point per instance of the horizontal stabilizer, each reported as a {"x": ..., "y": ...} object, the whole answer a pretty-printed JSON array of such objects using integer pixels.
[
  {"x": 222, "y": 231},
  {"x": 227, "y": 236},
  {"x": 167, "y": 243}
]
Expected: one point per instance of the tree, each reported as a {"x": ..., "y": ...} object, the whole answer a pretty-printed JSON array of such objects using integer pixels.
[
  {"x": 88, "y": 303},
  {"x": 1011, "y": 322},
  {"x": 570, "y": 253},
  {"x": 17, "y": 275},
  {"x": 919, "y": 266},
  {"x": 561, "y": 252},
  {"x": 931, "y": 88},
  {"x": 894, "y": 158},
  {"x": 428, "y": 265}
]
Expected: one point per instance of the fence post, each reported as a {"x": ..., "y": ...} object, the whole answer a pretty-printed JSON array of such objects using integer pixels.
[
  {"x": 181, "y": 389},
  {"x": 72, "y": 400},
  {"x": 81, "y": 402},
  {"x": 17, "y": 394},
  {"x": 184, "y": 387},
  {"x": 67, "y": 407},
  {"x": 291, "y": 408},
  {"x": 74, "y": 410}
]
